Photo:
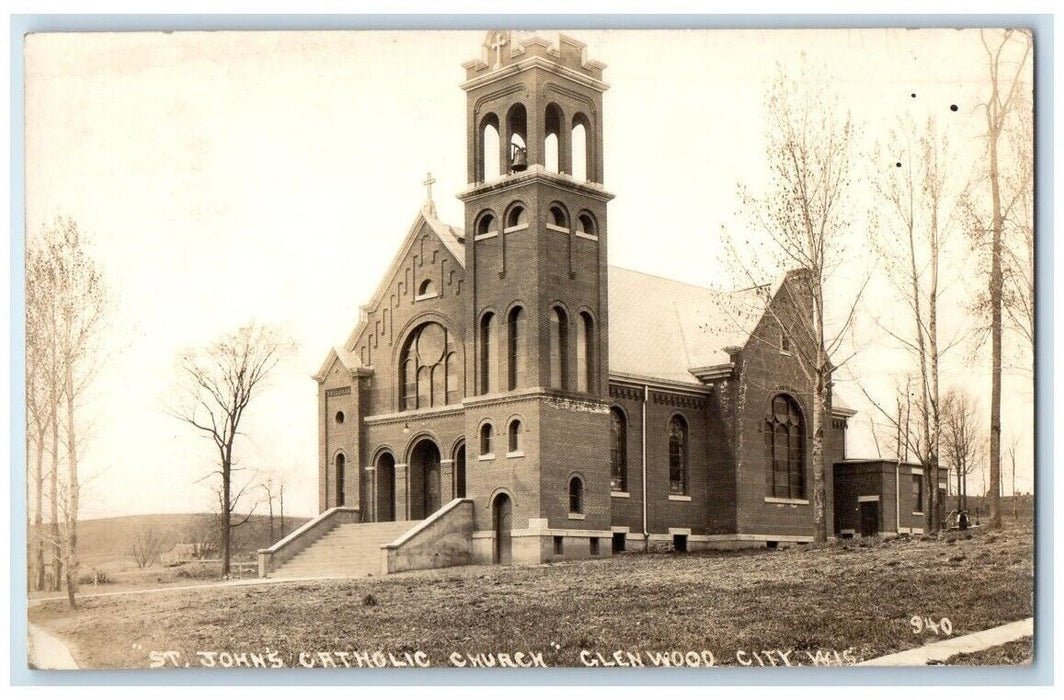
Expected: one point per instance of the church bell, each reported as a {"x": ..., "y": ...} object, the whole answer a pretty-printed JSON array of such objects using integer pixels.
[{"x": 518, "y": 158}]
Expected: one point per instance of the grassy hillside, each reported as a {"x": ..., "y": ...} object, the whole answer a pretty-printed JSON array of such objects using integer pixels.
[{"x": 103, "y": 542}]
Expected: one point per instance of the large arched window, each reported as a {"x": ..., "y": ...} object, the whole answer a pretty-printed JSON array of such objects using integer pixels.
[
  {"x": 785, "y": 445},
  {"x": 489, "y": 355},
  {"x": 559, "y": 348},
  {"x": 678, "y": 456},
  {"x": 585, "y": 328},
  {"x": 576, "y": 495},
  {"x": 618, "y": 451},
  {"x": 429, "y": 369},
  {"x": 516, "y": 351}
]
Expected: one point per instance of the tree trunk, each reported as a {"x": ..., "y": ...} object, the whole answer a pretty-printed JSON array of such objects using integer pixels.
[
  {"x": 57, "y": 540},
  {"x": 226, "y": 513},
  {"x": 38, "y": 517},
  {"x": 73, "y": 495},
  {"x": 820, "y": 531},
  {"x": 995, "y": 326},
  {"x": 282, "y": 511}
]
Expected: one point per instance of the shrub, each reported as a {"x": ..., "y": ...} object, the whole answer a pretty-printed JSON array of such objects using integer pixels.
[
  {"x": 369, "y": 600},
  {"x": 94, "y": 577},
  {"x": 199, "y": 570}
]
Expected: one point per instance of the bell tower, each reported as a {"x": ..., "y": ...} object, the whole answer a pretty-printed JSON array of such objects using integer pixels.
[
  {"x": 535, "y": 208},
  {"x": 535, "y": 251}
]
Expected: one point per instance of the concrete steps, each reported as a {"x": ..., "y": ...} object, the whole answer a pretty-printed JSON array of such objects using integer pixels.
[{"x": 346, "y": 550}]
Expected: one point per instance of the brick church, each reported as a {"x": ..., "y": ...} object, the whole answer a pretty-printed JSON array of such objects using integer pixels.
[{"x": 509, "y": 396}]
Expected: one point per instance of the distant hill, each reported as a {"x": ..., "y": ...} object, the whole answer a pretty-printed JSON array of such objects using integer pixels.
[{"x": 106, "y": 540}]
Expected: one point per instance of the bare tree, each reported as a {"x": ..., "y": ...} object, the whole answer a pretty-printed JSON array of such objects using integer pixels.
[
  {"x": 144, "y": 547},
  {"x": 1006, "y": 64},
  {"x": 962, "y": 443},
  {"x": 805, "y": 214},
  {"x": 66, "y": 317},
  {"x": 218, "y": 384},
  {"x": 912, "y": 234}
]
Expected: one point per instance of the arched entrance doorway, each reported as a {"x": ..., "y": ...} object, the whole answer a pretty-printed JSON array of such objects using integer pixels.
[
  {"x": 385, "y": 487},
  {"x": 424, "y": 480},
  {"x": 502, "y": 517},
  {"x": 459, "y": 472}
]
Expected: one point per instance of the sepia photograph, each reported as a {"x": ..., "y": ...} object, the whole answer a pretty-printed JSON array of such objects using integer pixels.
[{"x": 516, "y": 348}]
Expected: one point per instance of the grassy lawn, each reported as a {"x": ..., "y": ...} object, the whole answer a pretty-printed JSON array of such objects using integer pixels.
[{"x": 845, "y": 601}]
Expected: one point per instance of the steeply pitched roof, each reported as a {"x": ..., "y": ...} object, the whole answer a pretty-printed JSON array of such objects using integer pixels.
[{"x": 661, "y": 328}]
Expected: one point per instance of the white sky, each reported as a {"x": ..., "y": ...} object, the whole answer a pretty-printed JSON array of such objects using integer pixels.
[{"x": 225, "y": 177}]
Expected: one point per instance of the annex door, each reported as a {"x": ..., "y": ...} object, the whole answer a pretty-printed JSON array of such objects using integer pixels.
[
  {"x": 502, "y": 515},
  {"x": 869, "y": 518}
]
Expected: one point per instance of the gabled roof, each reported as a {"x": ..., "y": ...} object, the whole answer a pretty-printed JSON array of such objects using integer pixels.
[
  {"x": 452, "y": 239},
  {"x": 349, "y": 361},
  {"x": 663, "y": 329}
]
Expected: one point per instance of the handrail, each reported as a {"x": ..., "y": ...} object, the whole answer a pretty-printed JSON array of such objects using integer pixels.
[
  {"x": 424, "y": 524},
  {"x": 309, "y": 525}
]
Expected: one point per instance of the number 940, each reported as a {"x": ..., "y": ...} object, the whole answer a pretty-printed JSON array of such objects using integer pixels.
[{"x": 921, "y": 625}]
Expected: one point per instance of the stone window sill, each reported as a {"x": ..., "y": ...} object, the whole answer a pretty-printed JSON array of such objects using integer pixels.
[
  {"x": 620, "y": 494},
  {"x": 576, "y": 516},
  {"x": 514, "y": 229},
  {"x": 486, "y": 458},
  {"x": 485, "y": 236},
  {"x": 559, "y": 229},
  {"x": 423, "y": 297},
  {"x": 789, "y": 501},
  {"x": 588, "y": 236},
  {"x": 674, "y": 497},
  {"x": 515, "y": 453},
  {"x": 918, "y": 512}
]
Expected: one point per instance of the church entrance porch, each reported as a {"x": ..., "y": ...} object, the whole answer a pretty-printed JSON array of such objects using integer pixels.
[{"x": 424, "y": 480}]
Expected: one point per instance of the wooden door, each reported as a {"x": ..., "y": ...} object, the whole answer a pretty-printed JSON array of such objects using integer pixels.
[
  {"x": 869, "y": 518},
  {"x": 503, "y": 518}
]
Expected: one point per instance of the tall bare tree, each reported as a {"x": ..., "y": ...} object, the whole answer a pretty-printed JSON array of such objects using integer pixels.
[
  {"x": 805, "y": 213},
  {"x": 67, "y": 304},
  {"x": 910, "y": 239},
  {"x": 218, "y": 383},
  {"x": 1007, "y": 56},
  {"x": 962, "y": 442}
]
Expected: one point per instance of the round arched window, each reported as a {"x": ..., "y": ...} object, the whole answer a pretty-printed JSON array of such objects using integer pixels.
[{"x": 428, "y": 368}]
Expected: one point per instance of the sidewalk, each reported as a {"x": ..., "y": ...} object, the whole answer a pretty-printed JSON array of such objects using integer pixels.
[
  {"x": 940, "y": 651},
  {"x": 47, "y": 653}
]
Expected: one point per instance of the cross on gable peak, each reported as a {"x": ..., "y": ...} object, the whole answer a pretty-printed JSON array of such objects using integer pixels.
[{"x": 430, "y": 205}]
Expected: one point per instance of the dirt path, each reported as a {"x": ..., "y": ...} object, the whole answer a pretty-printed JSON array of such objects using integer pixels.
[{"x": 46, "y": 652}]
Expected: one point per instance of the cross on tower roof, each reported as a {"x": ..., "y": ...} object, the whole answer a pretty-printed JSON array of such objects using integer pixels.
[
  {"x": 430, "y": 205},
  {"x": 498, "y": 40}
]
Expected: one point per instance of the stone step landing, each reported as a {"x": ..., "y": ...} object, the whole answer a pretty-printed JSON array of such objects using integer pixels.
[{"x": 348, "y": 550}]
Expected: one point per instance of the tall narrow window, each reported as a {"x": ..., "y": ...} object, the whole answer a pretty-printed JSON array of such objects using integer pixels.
[
  {"x": 584, "y": 365},
  {"x": 486, "y": 435},
  {"x": 552, "y": 124},
  {"x": 516, "y": 333},
  {"x": 409, "y": 384},
  {"x": 918, "y": 493},
  {"x": 424, "y": 387},
  {"x": 579, "y": 157},
  {"x": 489, "y": 356},
  {"x": 341, "y": 479},
  {"x": 490, "y": 156},
  {"x": 785, "y": 442},
  {"x": 576, "y": 495},
  {"x": 454, "y": 382},
  {"x": 559, "y": 348},
  {"x": 514, "y": 436},
  {"x": 618, "y": 451},
  {"x": 678, "y": 456},
  {"x": 439, "y": 384},
  {"x": 517, "y": 130}
]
